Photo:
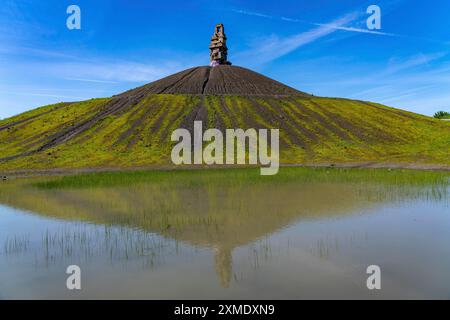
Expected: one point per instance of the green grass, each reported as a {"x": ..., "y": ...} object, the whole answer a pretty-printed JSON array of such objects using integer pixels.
[
  {"x": 312, "y": 130},
  {"x": 247, "y": 176}
]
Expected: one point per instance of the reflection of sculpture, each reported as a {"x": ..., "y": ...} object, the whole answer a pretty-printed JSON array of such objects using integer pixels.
[
  {"x": 218, "y": 47},
  {"x": 223, "y": 264}
]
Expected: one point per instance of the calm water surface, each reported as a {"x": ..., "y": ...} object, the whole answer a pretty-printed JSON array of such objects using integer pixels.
[{"x": 163, "y": 239}]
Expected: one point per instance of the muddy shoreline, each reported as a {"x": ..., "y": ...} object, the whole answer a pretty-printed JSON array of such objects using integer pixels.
[{"x": 355, "y": 165}]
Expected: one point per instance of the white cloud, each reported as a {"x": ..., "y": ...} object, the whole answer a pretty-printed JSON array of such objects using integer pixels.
[
  {"x": 250, "y": 13},
  {"x": 331, "y": 25},
  {"x": 360, "y": 30},
  {"x": 90, "y": 80},
  {"x": 26, "y": 93},
  {"x": 95, "y": 69},
  {"x": 113, "y": 71},
  {"x": 274, "y": 47},
  {"x": 15, "y": 51},
  {"x": 398, "y": 64}
]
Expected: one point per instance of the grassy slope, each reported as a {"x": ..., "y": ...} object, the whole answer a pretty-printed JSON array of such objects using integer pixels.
[{"x": 320, "y": 130}]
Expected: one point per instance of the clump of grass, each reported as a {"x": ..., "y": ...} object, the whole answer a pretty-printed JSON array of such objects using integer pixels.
[
  {"x": 117, "y": 244},
  {"x": 16, "y": 244}
]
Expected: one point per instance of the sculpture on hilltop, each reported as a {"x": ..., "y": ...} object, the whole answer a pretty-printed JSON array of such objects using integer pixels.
[{"x": 218, "y": 47}]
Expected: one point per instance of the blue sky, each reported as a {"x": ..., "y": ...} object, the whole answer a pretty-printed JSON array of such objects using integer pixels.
[{"x": 321, "y": 47}]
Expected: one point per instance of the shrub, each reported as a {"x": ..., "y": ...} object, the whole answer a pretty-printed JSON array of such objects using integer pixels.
[{"x": 442, "y": 115}]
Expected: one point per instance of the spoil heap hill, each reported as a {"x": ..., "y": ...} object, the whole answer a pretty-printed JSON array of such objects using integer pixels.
[
  {"x": 220, "y": 80},
  {"x": 134, "y": 128}
]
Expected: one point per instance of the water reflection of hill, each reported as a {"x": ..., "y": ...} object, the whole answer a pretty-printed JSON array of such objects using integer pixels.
[{"x": 218, "y": 215}]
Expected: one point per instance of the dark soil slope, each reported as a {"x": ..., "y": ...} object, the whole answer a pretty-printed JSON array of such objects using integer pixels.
[{"x": 219, "y": 80}]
